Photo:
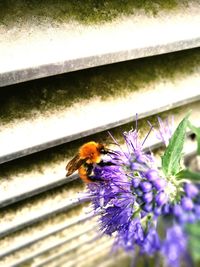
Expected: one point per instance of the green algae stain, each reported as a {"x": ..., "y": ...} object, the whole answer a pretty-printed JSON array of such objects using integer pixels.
[
  {"x": 47, "y": 96},
  {"x": 83, "y": 11}
]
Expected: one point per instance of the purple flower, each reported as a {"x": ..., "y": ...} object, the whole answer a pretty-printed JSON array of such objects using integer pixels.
[
  {"x": 191, "y": 217},
  {"x": 148, "y": 207},
  {"x": 145, "y": 186},
  {"x": 138, "y": 159},
  {"x": 178, "y": 210},
  {"x": 138, "y": 192},
  {"x": 161, "y": 198},
  {"x": 197, "y": 211},
  {"x": 133, "y": 143},
  {"x": 152, "y": 175},
  {"x": 174, "y": 246},
  {"x": 187, "y": 203},
  {"x": 136, "y": 182},
  {"x": 151, "y": 242},
  {"x": 166, "y": 209},
  {"x": 129, "y": 235},
  {"x": 157, "y": 211},
  {"x": 191, "y": 190},
  {"x": 165, "y": 131},
  {"x": 159, "y": 183},
  {"x": 148, "y": 197},
  {"x": 132, "y": 196}
]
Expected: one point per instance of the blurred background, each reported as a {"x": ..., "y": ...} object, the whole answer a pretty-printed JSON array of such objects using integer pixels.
[{"x": 70, "y": 71}]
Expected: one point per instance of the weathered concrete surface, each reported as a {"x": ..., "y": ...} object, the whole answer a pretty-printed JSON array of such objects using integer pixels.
[{"x": 39, "y": 45}]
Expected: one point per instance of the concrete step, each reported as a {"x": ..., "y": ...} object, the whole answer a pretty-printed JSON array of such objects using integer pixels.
[
  {"x": 39, "y": 41},
  {"x": 48, "y": 113},
  {"x": 39, "y": 208},
  {"x": 64, "y": 221},
  {"x": 24, "y": 178},
  {"x": 51, "y": 247}
]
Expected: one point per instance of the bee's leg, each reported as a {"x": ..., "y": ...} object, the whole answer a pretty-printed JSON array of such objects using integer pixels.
[
  {"x": 89, "y": 168},
  {"x": 90, "y": 174},
  {"x": 105, "y": 163}
]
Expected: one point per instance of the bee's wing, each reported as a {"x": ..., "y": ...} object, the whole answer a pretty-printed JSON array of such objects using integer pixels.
[{"x": 74, "y": 164}]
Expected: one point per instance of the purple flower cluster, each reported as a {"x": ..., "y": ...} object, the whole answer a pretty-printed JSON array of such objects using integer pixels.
[
  {"x": 174, "y": 246},
  {"x": 132, "y": 196},
  {"x": 187, "y": 209}
]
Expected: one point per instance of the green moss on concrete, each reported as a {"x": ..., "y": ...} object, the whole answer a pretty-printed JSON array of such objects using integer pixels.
[
  {"x": 45, "y": 96},
  {"x": 84, "y": 11}
]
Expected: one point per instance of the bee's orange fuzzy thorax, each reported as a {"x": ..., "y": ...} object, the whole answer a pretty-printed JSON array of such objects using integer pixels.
[{"x": 90, "y": 151}]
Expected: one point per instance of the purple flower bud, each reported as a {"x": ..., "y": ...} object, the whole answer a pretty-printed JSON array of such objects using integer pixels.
[
  {"x": 197, "y": 210},
  {"x": 159, "y": 183},
  {"x": 148, "y": 207},
  {"x": 152, "y": 175},
  {"x": 148, "y": 197},
  {"x": 138, "y": 192},
  {"x": 161, "y": 198},
  {"x": 177, "y": 210},
  {"x": 135, "y": 166},
  {"x": 141, "y": 158},
  {"x": 166, "y": 209},
  {"x": 139, "y": 200},
  {"x": 145, "y": 186},
  {"x": 157, "y": 211},
  {"x": 187, "y": 203},
  {"x": 183, "y": 218},
  {"x": 191, "y": 217},
  {"x": 191, "y": 190},
  {"x": 135, "y": 182}
]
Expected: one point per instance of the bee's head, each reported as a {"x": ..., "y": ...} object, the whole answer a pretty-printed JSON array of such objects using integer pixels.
[{"x": 102, "y": 149}]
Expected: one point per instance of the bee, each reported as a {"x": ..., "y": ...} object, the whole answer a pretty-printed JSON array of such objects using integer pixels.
[{"x": 89, "y": 154}]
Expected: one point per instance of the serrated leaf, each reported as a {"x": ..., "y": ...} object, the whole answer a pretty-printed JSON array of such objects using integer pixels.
[
  {"x": 197, "y": 132},
  {"x": 192, "y": 176},
  {"x": 173, "y": 153}
]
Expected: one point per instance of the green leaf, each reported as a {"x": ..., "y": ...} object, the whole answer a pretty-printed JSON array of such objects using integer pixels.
[
  {"x": 197, "y": 132},
  {"x": 173, "y": 153},
  {"x": 192, "y": 176},
  {"x": 193, "y": 231}
]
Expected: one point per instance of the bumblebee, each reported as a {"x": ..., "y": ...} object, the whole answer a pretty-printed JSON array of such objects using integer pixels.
[{"x": 89, "y": 154}]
